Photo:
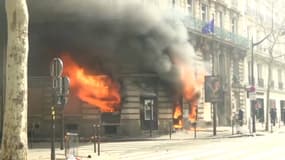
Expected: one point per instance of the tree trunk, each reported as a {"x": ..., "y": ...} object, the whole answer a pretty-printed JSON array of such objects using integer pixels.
[{"x": 14, "y": 140}]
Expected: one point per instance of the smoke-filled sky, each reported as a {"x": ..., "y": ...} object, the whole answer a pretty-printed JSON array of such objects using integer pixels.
[{"x": 99, "y": 33}]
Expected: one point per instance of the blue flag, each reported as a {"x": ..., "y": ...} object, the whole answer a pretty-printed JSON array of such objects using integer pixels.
[{"x": 208, "y": 27}]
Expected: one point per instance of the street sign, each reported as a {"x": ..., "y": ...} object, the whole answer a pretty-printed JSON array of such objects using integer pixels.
[
  {"x": 56, "y": 67},
  {"x": 252, "y": 93}
]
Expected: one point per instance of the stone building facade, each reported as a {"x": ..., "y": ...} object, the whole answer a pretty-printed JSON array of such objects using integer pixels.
[{"x": 223, "y": 53}]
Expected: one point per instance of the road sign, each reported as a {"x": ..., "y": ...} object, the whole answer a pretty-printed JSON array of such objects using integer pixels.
[{"x": 56, "y": 67}]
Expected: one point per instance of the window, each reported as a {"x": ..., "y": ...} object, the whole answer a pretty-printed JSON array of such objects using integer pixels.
[
  {"x": 190, "y": 6},
  {"x": 234, "y": 25},
  {"x": 280, "y": 83},
  {"x": 234, "y": 3},
  {"x": 259, "y": 75},
  {"x": 236, "y": 71},
  {"x": 148, "y": 109},
  {"x": 204, "y": 13},
  {"x": 219, "y": 19},
  {"x": 259, "y": 71},
  {"x": 279, "y": 75},
  {"x": 148, "y": 113}
]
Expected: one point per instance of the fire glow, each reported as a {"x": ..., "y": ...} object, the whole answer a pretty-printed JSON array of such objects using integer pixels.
[
  {"x": 95, "y": 89},
  {"x": 177, "y": 116},
  {"x": 192, "y": 81},
  {"x": 193, "y": 111}
]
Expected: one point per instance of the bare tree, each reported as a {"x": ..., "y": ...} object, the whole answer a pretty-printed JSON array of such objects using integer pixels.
[
  {"x": 274, "y": 40},
  {"x": 14, "y": 140}
]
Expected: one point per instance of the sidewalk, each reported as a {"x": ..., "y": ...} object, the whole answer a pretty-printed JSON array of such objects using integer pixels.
[
  {"x": 201, "y": 133},
  {"x": 41, "y": 151}
]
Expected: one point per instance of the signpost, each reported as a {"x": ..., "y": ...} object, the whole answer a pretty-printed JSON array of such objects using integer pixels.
[
  {"x": 60, "y": 86},
  {"x": 252, "y": 93}
]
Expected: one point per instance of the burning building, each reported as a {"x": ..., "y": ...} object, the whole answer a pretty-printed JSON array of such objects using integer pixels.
[
  {"x": 131, "y": 68},
  {"x": 125, "y": 70}
]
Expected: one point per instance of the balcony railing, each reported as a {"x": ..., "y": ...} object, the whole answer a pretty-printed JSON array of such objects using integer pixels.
[{"x": 197, "y": 25}]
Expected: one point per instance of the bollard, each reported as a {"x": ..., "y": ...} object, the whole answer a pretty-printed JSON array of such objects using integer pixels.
[
  {"x": 94, "y": 137},
  {"x": 195, "y": 130},
  {"x": 170, "y": 130},
  {"x": 233, "y": 124}
]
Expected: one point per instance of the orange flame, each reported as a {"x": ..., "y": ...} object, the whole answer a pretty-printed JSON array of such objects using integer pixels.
[
  {"x": 97, "y": 90},
  {"x": 193, "y": 111},
  {"x": 177, "y": 115},
  {"x": 192, "y": 83}
]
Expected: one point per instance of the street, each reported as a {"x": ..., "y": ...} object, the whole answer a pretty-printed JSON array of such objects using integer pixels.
[{"x": 268, "y": 146}]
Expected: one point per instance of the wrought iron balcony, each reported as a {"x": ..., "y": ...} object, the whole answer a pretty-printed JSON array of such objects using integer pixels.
[{"x": 196, "y": 25}]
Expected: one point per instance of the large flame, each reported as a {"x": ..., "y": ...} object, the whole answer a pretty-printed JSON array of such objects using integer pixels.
[
  {"x": 192, "y": 83},
  {"x": 95, "y": 89},
  {"x": 193, "y": 111},
  {"x": 177, "y": 116}
]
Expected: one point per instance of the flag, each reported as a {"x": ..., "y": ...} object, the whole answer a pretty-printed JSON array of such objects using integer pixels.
[{"x": 208, "y": 27}]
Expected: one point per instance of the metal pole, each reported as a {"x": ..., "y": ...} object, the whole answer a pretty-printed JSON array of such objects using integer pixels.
[
  {"x": 195, "y": 129},
  {"x": 214, "y": 120},
  {"x": 62, "y": 130},
  {"x": 170, "y": 129},
  {"x": 52, "y": 156},
  {"x": 94, "y": 137},
  {"x": 252, "y": 83},
  {"x": 150, "y": 122},
  {"x": 214, "y": 104},
  {"x": 98, "y": 138}
]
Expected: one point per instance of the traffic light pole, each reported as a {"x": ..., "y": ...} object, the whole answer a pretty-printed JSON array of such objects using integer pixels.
[
  {"x": 62, "y": 130},
  {"x": 60, "y": 87},
  {"x": 52, "y": 155}
]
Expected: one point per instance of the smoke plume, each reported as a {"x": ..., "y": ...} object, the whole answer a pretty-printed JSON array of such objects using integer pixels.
[{"x": 97, "y": 33}]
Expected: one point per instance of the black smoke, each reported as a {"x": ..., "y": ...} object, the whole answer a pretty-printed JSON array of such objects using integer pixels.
[{"x": 110, "y": 35}]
